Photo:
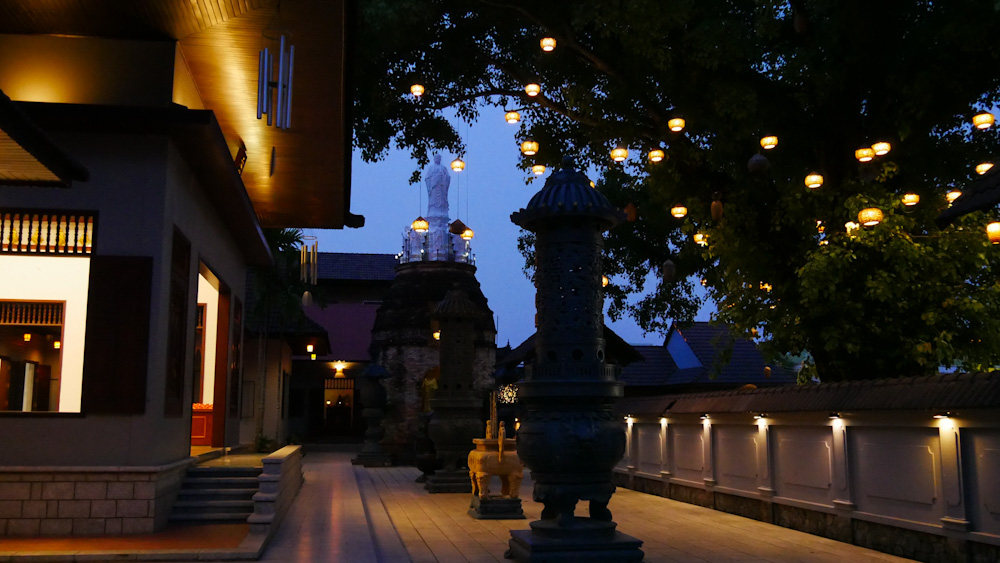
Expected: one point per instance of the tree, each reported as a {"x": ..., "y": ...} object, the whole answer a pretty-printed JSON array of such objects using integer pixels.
[{"x": 826, "y": 77}]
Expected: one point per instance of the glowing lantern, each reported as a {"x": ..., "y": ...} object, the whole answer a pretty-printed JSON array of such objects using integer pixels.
[
  {"x": 532, "y": 89},
  {"x": 512, "y": 116},
  {"x": 656, "y": 155},
  {"x": 851, "y": 226},
  {"x": 814, "y": 180},
  {"x": 605, "y": 281},
  {"x": 911, "y": 199},
  {"x": 548, "y": 44},
  {"x": 27, "y": 337},
  {"x": 436, "y": 334},
  {"x": 983, "y": 167},
  {"x": 983, "y": 120},
  {"x": 870, "y": 216},
  {"x": 953, "y": 195},
  {"x": 467, "y": 234},
  {"x": 881, "y": 148},
  {"x": 676, "y": 124},
  {"x": 57, "y": 344},
  {"x": 769, "y": 142},
  {"x": 529, "y": 147},
  {"x": 619, "y": 153},
  {"x": 592, "y": 184},
  {"x": 420, "y": 225},
  {"x": 458, "y": 165},
  {"x": 309, "y": 348},
  {"x": 701, "y": 239},
  {"x": 678, "y": 211},
  {"x": 417, "y": 90},
  {"x": 538, "y": 169},
  {"x": 993, "y": 231},
  {"x": 864, "y": 154}
]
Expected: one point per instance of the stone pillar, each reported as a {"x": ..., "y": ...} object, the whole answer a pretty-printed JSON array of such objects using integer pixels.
[
  {"x": 569, "y": 436},
  {"x": 456, "y": 421},
  {"x": 373, "y": 403}
]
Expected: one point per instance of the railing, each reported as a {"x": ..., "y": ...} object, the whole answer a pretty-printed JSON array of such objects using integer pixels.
[
  {"x": 31, "y": 313},
  {"x": 47, "y": 232}
]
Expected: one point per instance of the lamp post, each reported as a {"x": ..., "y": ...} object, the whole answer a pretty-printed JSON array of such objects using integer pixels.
[{"x": 569, "y": 436}]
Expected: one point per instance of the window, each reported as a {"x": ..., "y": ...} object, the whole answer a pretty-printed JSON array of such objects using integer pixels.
[{"x": 31, "y": 334}]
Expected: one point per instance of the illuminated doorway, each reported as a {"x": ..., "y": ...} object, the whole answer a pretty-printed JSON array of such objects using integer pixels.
[{"x": 208, "y": 368}]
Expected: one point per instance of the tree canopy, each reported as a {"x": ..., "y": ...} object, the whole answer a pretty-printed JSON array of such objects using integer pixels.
[{"x": 826, "y": 77}]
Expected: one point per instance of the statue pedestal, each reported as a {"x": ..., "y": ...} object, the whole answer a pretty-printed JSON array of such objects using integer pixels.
[
  {"x": 449, "y": 482},
  {"x": 374, "y": 459},
  {"x": 496, "y": 507},
  {"x": 585, "y": 539}
]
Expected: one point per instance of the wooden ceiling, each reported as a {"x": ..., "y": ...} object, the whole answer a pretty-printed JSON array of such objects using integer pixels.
[{"x": 309, "y": 183}]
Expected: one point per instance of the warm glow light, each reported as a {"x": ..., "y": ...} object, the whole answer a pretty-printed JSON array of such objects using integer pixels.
[
  {"x": 993, "y": 231},
  {"x": 678, "y": 211},
  {"x": 605, "y": 281},
  {"x": 592, "y": 184},
  {"x": 983, "y": 120},
  {"x": 911, "y": 199},
  {"x": 458, "y": 165},
  {"x": 769, "y": 142},
  {"x": 436, "y": 334},
  {"x": 983, "y": 167},
  {"x": 420, "y": 225},
  {"x": 814, "y": 180},
  {"x": 309, "y": 348},
  {"x": 663, "y": 420},
  {"x": 953, "y": 195},
  {"x": 864, "y": 154},
  {"x": 27, "y": 337},
  {"x": 619, "y": 153},
  {"x": 417, "y": 90},
  {"x": 467, "y": 234},
  {"x": 656, "y": 155},
  {"x": 851, "y": 226},
  {"x": 312, "y": 356},
  {"x": 532, "y": 89},
  {"x": 548, "y": 44},
  {"x": 701, "y": 239},
  {"x": 512, "y": 116},
  {"x": 881, "y": 148},
  {"x": 538, "y": 169},
  {"x": 57, "y": 344},
  {"x": 529, "y": 147},
  {"x": 870, "y": 216},
  {"x": 676, "y": 124},
  {"x": 339, "y": 366}
]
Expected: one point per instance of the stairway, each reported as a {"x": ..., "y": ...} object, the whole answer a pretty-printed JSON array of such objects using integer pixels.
[{"x": 216, "y": 494}]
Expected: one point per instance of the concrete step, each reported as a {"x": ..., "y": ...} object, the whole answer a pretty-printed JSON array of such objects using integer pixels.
[
  {"x": 212, "y": 506},
  {"x": 219, "y": 482},
  {"x": 213, "y": 471},
  {"x": 210, "y": 517},
  {"x": 216, "y": 494}
]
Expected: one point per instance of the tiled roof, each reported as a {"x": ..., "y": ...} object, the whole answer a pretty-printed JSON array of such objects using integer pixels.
[
  {"x": 933, "y": 392},
  {"x": 615, "y": 347},
  {"x": 356, "y": 267},
  {"x": 656, "y": 367}
]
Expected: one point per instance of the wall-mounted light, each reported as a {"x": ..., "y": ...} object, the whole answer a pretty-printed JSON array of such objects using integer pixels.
[
  {"x": 339, "y": 366},
  {"x": 663, "y": 420},
  {"x": 943, "y": 414},
  {"x": 834, "y": 415},
  {"x": 436, "y": 334},
  {"x": 57, "y": 345},
  {"x": 312, "y": 356},
  {"x": 705, "y": 416},
  {"x": 27, "y": 337},
  {"x": 759, "y": 416},
  {"x": 309, "y": 348}
]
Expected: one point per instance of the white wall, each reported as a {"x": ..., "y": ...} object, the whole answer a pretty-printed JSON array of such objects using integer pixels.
[
  {"x": 210, "y": 297},
  {"x": 47, "y": 278}
]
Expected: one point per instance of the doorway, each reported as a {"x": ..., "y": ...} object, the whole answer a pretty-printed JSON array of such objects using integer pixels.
[{"x": 208, "y": 371}]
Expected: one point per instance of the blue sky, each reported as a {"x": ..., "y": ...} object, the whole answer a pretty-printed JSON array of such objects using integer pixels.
[{"x": 483, "y": 196}]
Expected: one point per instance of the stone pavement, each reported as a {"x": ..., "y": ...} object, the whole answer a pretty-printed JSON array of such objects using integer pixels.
[{"x": 380, "y": 515}]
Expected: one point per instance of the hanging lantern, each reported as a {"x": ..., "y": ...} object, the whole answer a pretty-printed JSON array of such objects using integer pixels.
[
  {"x": 538, "y": 169},
  {"x": 864, "y": 154},
  {"x": 592, "y": 184},
  {"x": 458, "y": 165},
  {"x": 619, "y": 153},
  {"x": 983, "y": 167},
  {"x": 656, "y": 155},
  {"x": 417, "y": 90},
  {"x": 668, "y": 270},
  {"x": 307, "y": 301},
  {"x": 911, "y": 199},
  {"x": 953, "y": 195},
  {"x": 701, "y": 239},
  {"x": 716, "y": 206},
  {"x": 436, "y": 334},
  {"x": 769, "y": 142},
  {"x": 532, "y": 89},
  {"x": 512, "y": 116},
  {"x": 605, "y": 281},
  {"x": 870, "y": 216},
  {"x": 881, "y": 148},
  {"x": 420, "y": 225},
  {"x": 814, "y": 180},
  {"x": 993, "y": 231},
  {"x": 758, "y": 163},
  {"x": 983, "y": 120},
  {"x": 548, "y": 44},
  {"x": 467, "y": 234},
  {"x": 631, "y": 213},
  {"x": 529, "y": 147},
  {"x": 676, "y": 124},
  {"x": 678, "y": 211}
]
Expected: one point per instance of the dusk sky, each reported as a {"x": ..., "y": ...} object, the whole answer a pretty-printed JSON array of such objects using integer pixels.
[{"x": 483, "y": 196}]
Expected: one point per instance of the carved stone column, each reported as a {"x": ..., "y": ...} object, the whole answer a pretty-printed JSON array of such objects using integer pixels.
[
  {"x": 456, "y": 404},
  {"x": 569, "y": 436}
]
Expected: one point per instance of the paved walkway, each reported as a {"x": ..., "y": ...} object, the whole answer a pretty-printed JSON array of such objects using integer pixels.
[{"x": 380, "y": 515}]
